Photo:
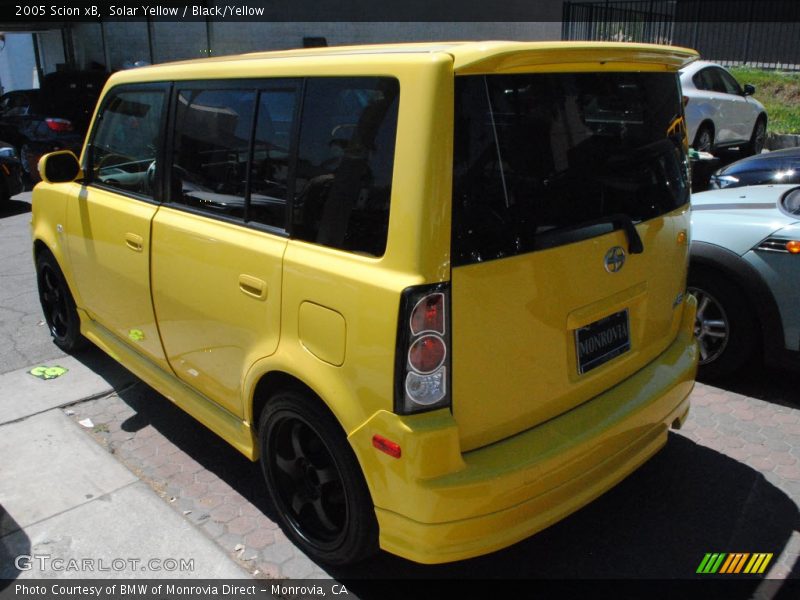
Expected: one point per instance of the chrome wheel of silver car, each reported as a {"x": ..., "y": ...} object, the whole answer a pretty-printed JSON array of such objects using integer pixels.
[
  {"x": 711, "y": 326},
  {"x": 704, "y": 140}
]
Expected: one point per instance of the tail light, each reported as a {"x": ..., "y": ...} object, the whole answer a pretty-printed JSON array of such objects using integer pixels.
[
  {"x": 422, "y": 364},
  {"x": 59, "y": 125}
]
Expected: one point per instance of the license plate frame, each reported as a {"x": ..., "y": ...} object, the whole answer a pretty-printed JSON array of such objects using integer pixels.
[{"x": 603, "y": 340}]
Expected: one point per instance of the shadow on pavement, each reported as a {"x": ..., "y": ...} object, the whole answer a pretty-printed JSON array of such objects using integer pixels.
[
  {"x": 656, "y": 525},
  {"x": 761, "y": 382},
  {"x": 214, "y": 454},
  {"x": 13, "y": 543},
  {"x": 97, "y": 361},
  {"x": 11, "y": 208}
]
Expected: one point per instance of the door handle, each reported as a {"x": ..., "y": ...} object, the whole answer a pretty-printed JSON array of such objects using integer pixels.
[
  {"x": 134, "y": 242},
  {"x": 253, "y": 287}
]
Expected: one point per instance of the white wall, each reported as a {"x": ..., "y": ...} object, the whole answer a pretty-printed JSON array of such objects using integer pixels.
[{"x": 17, "y": 63}]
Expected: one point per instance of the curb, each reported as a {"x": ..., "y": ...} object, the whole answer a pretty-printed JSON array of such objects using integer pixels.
[{"x": 779, "y": 141}]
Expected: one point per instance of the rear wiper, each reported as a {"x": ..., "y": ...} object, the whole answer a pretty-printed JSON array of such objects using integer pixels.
[
  {"x": 584, "y": 230},
  {"x": 624, "y": 222},
  {"x": 620, "y": 221}
]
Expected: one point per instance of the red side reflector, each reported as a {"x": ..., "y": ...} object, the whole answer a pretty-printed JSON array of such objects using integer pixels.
[
  {"x": 59, "y": 125},
  {"x": 388, "y": 446}
]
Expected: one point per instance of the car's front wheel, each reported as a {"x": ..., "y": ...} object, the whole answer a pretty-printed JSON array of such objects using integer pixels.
[
  {"x": 58, "y": 306},
  {"x": 757, "y": 139},
  {"x": 315, "y": 481},
  {"x": 725, "y": 326},
  {"x": 704, "y": 139}
]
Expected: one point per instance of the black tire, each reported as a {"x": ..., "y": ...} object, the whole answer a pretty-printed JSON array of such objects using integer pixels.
[
  {"x": 314, "y": 480},
  {"x": 757, "y": 138},
  {"x": 726, "y": 327},
  {"x": 704, "y": 138},
  {"x": 58, "y": 305}
]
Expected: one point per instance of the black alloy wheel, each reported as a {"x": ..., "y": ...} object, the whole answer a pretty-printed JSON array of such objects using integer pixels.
[
  {"x": 58, "y": 306},
  {"x": 314, "y": 480}
]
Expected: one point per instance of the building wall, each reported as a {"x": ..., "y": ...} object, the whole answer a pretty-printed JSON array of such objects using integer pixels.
[
  {"x": 51, "y": 50},
  {"x": 17, "y": 63}
]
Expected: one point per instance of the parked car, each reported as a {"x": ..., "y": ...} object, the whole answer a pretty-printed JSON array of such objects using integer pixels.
[
  {"x": 10, "y": 172},
  {"x": 779, "y": 166},
  {"x": 745, "y": 273},
  {"x": 430, "y": 350},
  {"x": 55, "y": 117},
  {"x": 719, "y": 112},
  {"x": 18, "y": 102}
]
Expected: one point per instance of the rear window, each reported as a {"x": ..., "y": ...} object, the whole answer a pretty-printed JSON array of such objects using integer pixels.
[{"x": 543, "y": 160}]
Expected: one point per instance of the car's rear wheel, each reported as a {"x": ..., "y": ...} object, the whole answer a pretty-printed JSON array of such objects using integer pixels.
[
  {"x": 704, "y": 138},
  {"x": 58, "y": 306},
  {"x": 757, "y": 139},
  {"x": 725, "y": 326},
  {"x": 314, "y": 480}
]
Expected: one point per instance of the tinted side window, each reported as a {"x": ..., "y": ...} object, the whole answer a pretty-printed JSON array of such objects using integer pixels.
[
  {"x": 345, "y": 161},
  {"x": 125, "y": 140},
  {"x": 716, "y": 82},
  {"x": 271, "y": 157},
  {"x": 701, "y": 80},
  {"x": 730, "y": 84},
  {"x": 211, "y": 149}
]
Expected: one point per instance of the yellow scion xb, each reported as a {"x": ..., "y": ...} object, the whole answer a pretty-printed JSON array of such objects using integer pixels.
[{"x": 437, "y": 290}]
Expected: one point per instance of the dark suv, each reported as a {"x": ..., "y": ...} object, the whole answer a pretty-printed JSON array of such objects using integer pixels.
[{"x": 52, "y": 118}]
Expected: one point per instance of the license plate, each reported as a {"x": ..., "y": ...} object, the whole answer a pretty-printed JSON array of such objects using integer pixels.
[{"x": 603, "y": 340}]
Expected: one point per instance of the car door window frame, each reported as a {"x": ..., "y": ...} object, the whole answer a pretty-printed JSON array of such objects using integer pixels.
[
  {"x": 88, "y": 158},
  {"x": 258, "y": 86}
]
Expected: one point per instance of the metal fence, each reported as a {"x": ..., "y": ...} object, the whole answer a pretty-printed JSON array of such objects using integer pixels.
[{"x": 759, "y": 33}]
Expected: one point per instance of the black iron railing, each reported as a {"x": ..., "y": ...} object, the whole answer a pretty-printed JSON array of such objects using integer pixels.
[{"x": 761, "y": 33}]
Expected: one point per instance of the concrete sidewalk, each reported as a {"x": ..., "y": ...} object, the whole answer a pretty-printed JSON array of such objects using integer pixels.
[{"x": 71, "y": 506}]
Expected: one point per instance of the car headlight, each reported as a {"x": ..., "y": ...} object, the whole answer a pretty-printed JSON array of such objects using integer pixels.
[
  {"x": 775, "y": 244},
  {"x": 8, "y": 152},
  {"x": 719, "y": 182}
]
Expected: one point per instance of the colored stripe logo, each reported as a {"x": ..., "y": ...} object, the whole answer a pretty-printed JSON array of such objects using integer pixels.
[{"x": 734, "y": 563}]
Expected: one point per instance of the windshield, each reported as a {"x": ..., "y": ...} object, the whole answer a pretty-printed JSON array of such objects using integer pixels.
[{"x": 543, "y": 160}]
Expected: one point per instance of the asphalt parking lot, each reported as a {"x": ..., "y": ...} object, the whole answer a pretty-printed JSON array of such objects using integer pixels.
[{"x": 728, "y": 482}]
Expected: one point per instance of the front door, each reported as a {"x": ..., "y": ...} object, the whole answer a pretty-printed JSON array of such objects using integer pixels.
[{"x": 108, "y": 227}]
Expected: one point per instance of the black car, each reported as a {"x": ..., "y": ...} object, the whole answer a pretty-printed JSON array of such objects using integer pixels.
[
  {"x": 10, "y": 172},
  {"x": 55, "y": 117},
  {"x": 780, "y": 166},
  {"x": 18, "y": 102}
]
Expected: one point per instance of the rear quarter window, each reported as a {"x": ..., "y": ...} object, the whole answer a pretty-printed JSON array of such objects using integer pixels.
[{"x": 345, "y": 160}]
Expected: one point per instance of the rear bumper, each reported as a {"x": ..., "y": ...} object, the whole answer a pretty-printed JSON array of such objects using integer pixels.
[{"x": 436, "y": 505}]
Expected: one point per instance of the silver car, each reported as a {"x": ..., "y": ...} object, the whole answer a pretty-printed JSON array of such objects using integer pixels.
[
  {"x": 745, "y": 273},
  {"x": 719, "y": 112}
]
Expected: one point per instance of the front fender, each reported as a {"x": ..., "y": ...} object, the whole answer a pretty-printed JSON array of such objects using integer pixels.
[{"x": 48, "y": 226}]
